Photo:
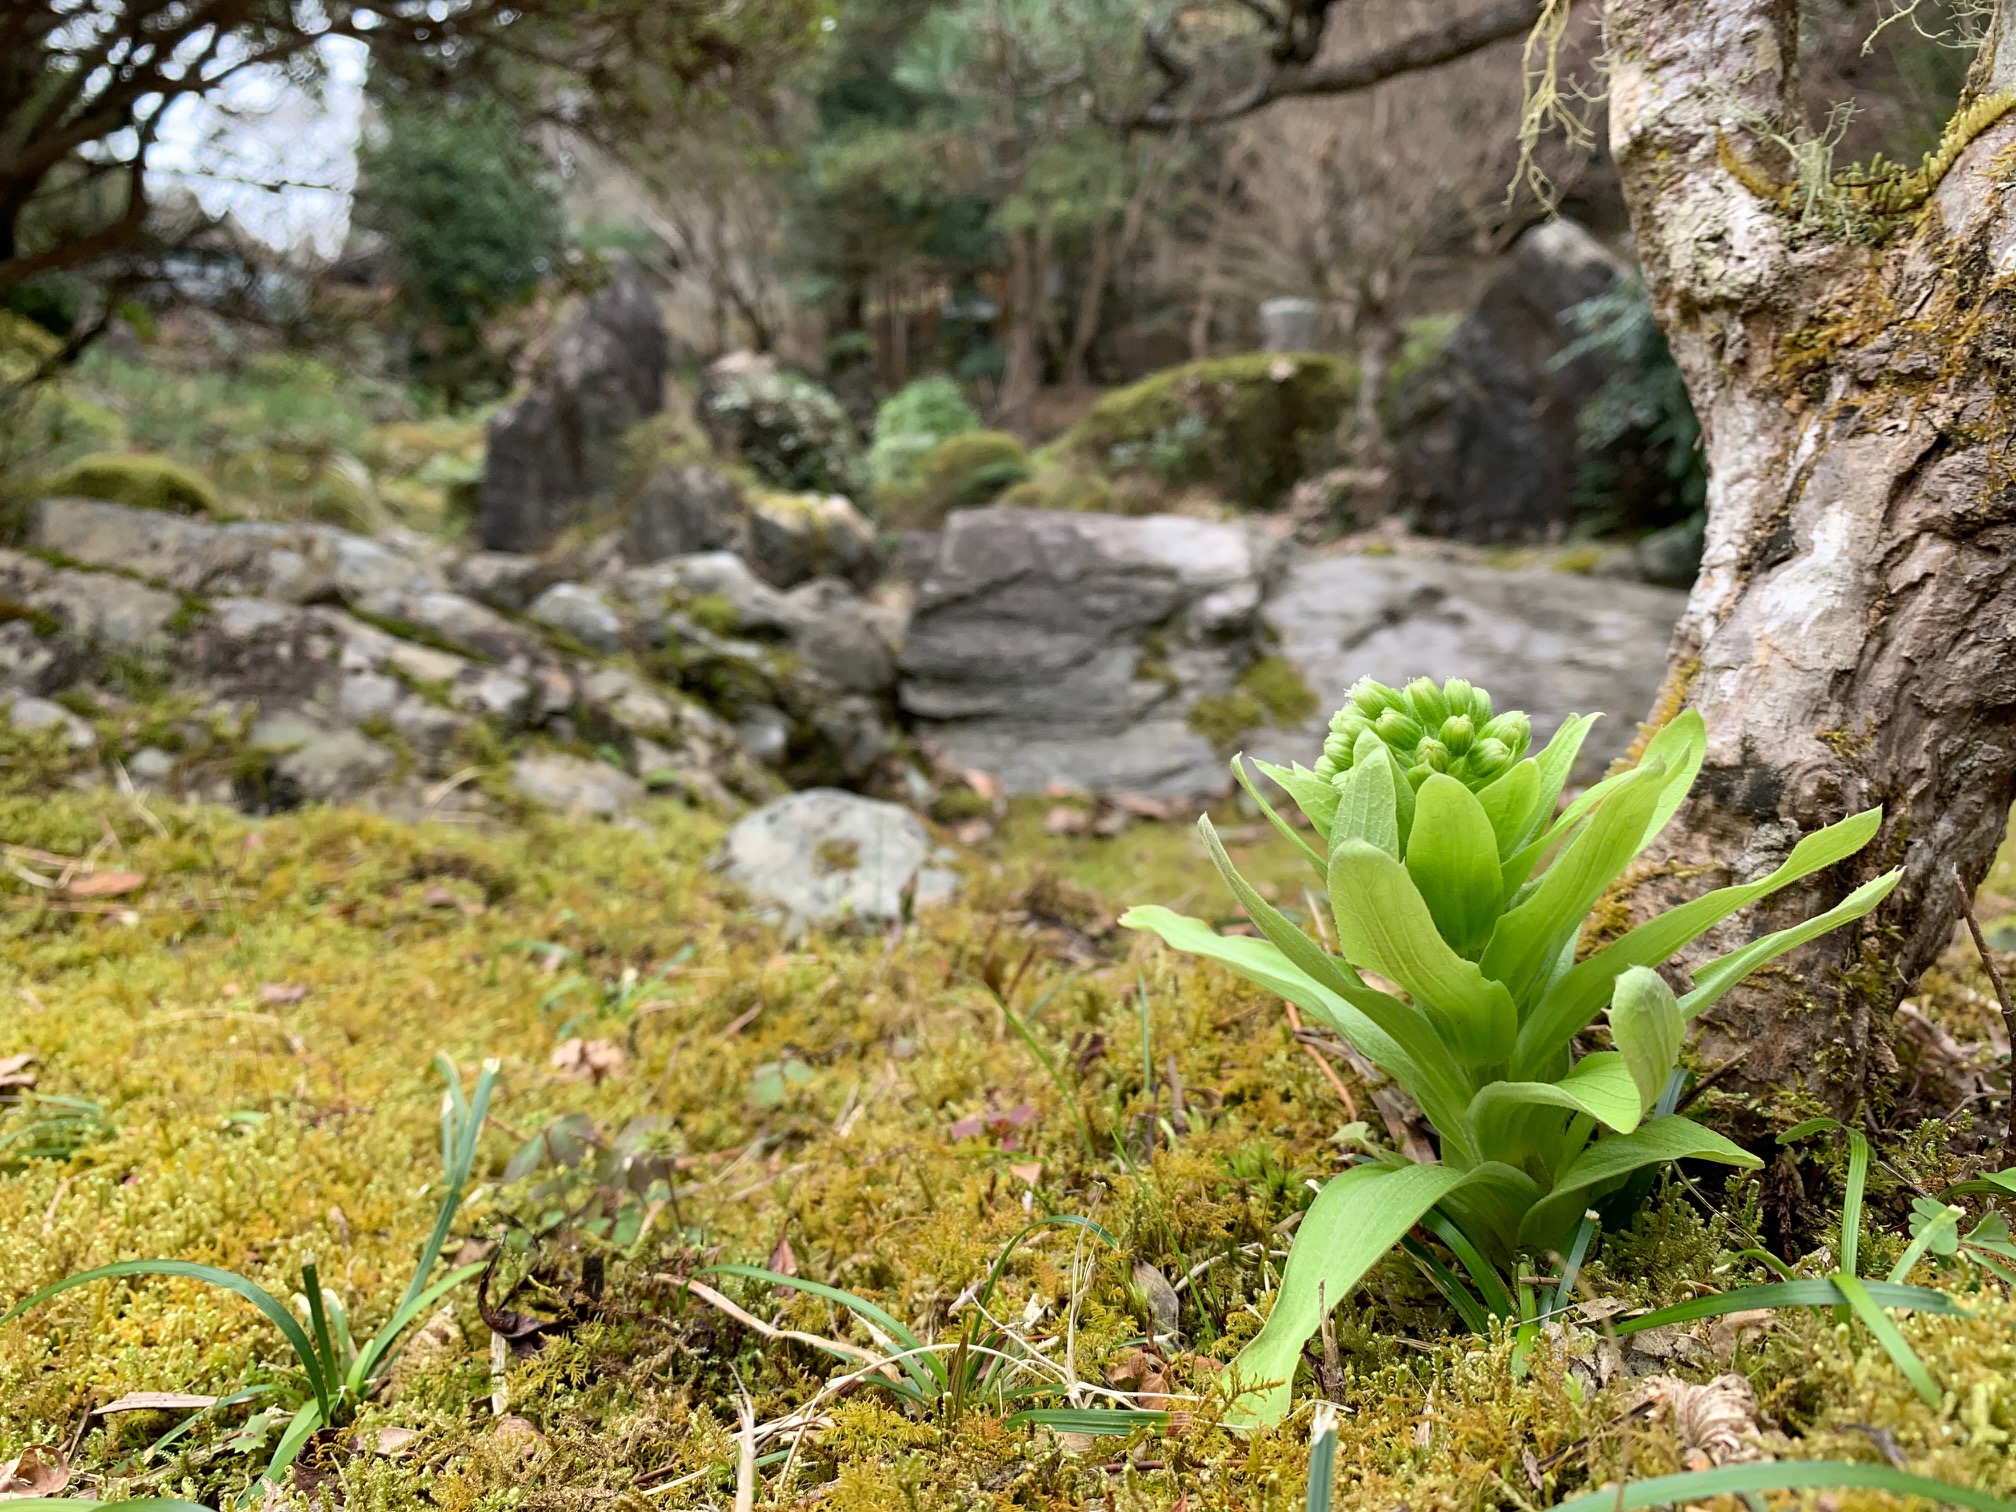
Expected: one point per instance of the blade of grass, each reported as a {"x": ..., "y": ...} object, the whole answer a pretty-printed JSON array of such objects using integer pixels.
[
  {"x": 1851, "y": 1202},
  {"x": 1459, "y": 1296},
  {"x": 1056, "y": 1078},
  {"x": 1878, "y": 1323},
  {"x": 1789, "y": 1294},
  {"x": 1483, "y": 1274},
  {"x": 1927, "y": 1237},
  {"x": 1322, "y": 1457},
  {"x": 924, "y": 1369},
  {"x": 318, "y": 1317},
  {"x": 1578, "y": 1251},
  {"x": 1781, "y": 1475},
  {"x": 1109, "y": 1421},
  {"x": 289, "y": 1326}
]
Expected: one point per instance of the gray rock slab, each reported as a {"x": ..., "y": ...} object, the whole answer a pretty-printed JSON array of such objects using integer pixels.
[
  {"x": 1053, "y": 648},
  {"x": 825, "y": 857},
  {"x": 1550, "y": 643}
]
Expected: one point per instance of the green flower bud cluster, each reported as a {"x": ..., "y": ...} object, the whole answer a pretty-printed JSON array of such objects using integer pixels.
[{"x": 1428, "y": 728}]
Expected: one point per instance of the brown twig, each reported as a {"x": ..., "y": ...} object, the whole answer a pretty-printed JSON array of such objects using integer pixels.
[
  {"x": 749, "y": 1320},
  {"x": 1323, "y": 1065},
  {"x": 2008, "y": 1011}
]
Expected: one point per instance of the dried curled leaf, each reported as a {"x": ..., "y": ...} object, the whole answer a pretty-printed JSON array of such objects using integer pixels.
[
  {"x": 1717, "y": 1423},
  {"x": 39, "y": 1470}
]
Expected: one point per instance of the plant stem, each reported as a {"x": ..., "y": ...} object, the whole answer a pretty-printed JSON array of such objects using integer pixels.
[{"x": 2008, "y": 1014}]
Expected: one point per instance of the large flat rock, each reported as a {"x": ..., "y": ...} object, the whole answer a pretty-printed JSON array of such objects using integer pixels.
[
  {"x": 1052, "y": 648},
  {"x": 1550, "y": 643}
]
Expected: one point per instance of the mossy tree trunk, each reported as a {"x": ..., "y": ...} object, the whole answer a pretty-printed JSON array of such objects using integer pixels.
[{"x": 1852, "y": 637}]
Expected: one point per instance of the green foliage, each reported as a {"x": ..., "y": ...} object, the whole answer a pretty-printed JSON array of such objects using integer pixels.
[
  {"x": 1436, "y": 883},
  {"x": 962, "y": 472},
  {"x": 1250, "y": 425},
  {"x": 463, "y": 200},
  {"x": 338, "y": 1373},
  {"x": 138, "y": 480},
  {"x": 912, "y": 422},
  {"x": 792, "y": 433},
  {"x": 1640, "y": 421}
]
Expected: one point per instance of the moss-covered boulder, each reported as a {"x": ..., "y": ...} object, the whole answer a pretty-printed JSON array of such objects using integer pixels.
[
  {"x": 1063, "y": 488},
  {"x": 1248, "y": 425},
  {"x": 136, "y": 480},
  {"x": 789, "y": 431}
]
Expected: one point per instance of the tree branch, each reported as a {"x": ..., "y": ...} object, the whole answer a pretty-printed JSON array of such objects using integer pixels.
[{"x": 1428, "y": 48}]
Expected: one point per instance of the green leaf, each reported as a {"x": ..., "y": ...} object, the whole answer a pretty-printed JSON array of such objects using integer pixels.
[
  {"x": 1679, "y": 746},
  {"x": 1316, "y": 798},
  {"x": 1106, "y": 1421},
  {"x": 1422, "y": 1068},
  {"x": 1512, "y": 804},
  {"x": 1573, "y": 1002},
  {"x": 1780, "y": 1475},
  {"x": 1529, "y": 939},
  {"x": 1349, "y": 1228},
  {"x": 1877, "y": 1321},
  {"x": 1716, "y": 977},
  {"x": 1452, "y": 855},
  {"x": 303, "y": 1427},
  {"x": 1787, "y": 1294},
  {"x": 1281, "y": 825},
  {"x": 1383, "y": 923},
  {"x": 1368, "y": 807},
  {"x": 1600, "y": 1085},
  {"x": 1646, "y": 1026},
  {"x": 1657, "y": 1142},
  {"x": 1553, "y": 764},
  {"x": 1309, "y": 958},
  {"x": 289, "y": 1326}
]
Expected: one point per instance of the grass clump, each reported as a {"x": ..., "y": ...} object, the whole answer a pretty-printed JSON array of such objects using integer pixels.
[
  {"x": 962, "y": 472},
  {"x": 1248, "y": 425}
]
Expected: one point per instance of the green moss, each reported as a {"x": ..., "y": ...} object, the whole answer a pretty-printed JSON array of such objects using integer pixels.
[
  {"x": 1249, "y": 425},
  {"x": 1057, "y": 487},
  {"x": 1276, "y": 683},
  {"x": 1226, "y": 719},
  {"x": 40, "y": 621},
  {"x": 715, "y": 613},
  {"x": 136, "y": 480}
]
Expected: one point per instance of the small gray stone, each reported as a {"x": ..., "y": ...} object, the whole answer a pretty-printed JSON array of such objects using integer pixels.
[
  {"x": 26, "y": 712},
  {"x": 151, "y": 768},
  {"x": 765, "y": 733},
  {"x": 582, "y": 613},
  {"x": 825, "y": 856},
  {"x": 796, "y": 537},
  {"x": 686, "y": 508},
  {"x": 506, "y": 580},
  {"x": 332, "y": 766},
  {"x": 759, "y": 608},
  {"x": 368, "y": 695},
  {"x": 575, "y": 786}
]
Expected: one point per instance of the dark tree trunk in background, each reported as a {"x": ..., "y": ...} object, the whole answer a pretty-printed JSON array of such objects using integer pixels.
[{"x": 1852, "y": 637}]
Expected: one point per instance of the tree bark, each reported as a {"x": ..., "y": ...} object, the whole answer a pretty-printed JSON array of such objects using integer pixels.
[{"x": 1849, "y": 639}]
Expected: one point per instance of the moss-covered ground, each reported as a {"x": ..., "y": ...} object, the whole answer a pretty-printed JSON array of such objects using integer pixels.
[{"x": 255, "y": 1022}]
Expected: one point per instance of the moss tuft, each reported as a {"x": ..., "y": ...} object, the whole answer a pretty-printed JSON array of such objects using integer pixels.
[{"x": 136, "y": 480}]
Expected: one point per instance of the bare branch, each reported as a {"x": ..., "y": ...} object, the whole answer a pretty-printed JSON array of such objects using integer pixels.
[{"x": 1428, "y": 48}]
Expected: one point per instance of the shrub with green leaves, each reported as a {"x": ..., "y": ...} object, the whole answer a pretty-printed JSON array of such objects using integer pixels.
[
  {"x": 912, "y": 422},
  {"x": 1452, "y": 879}
]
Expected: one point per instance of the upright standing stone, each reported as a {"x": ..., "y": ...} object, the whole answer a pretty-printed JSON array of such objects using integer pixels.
[
  {"x": 1288, "y": 325},
  {"x": 556, "y": 446}
]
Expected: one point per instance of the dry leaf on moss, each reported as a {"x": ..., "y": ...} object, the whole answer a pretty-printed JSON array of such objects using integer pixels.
[
  {"x": 105, "y": 885},
  {"x": 156, "y": 1401},
  {"x": 590, "y": 1060},
  {"x": 37, "y": 1471},
  {"x": 1717, "y": 1423}
]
